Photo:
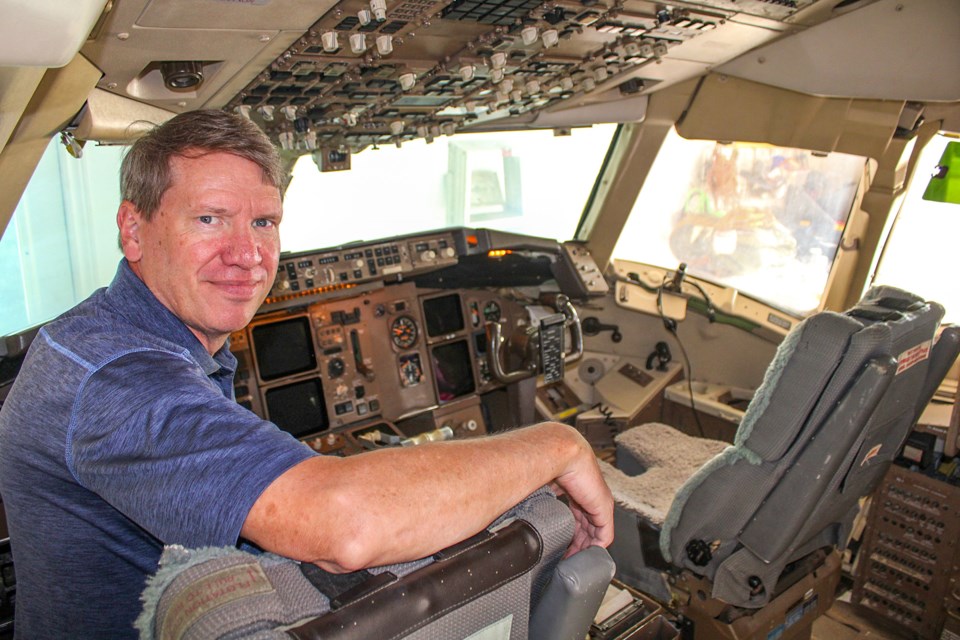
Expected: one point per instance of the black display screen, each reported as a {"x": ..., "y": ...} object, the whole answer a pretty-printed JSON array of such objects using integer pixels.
[
  {"x": 452, "y": 370},
  {"x": 443, "y": 315},
  {"x": 298, "y": 408},
  {"x": 284, "y": 348}
]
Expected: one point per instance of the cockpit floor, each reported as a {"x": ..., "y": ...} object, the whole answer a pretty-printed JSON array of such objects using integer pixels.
[{"x": 845, "y": 621}]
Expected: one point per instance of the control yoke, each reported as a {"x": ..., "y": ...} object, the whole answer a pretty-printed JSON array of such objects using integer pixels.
[{"x": 541, "y": 346}]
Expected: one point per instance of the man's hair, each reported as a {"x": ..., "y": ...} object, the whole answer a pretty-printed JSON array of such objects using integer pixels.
[{"x": 145, "y": 172}]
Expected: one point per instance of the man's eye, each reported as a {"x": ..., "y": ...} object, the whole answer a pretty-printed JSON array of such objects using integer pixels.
[
  {"x": 206, "y": 219},
  {"x": 263, "y": 222}
]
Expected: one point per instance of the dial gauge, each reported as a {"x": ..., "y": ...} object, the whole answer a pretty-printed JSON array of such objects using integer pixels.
[
  {"x": 411, "y": 372},
  {"x": 491, "y": 311},
  {"x": 404, "y": 332}
]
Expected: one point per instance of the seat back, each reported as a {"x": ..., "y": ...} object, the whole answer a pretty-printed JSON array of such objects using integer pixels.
[
  {"x": 487, "y": 584},
  {"x": 835, "y": 406}
]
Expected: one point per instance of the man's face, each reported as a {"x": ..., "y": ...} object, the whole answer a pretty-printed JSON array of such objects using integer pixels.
[{"x": 210, "y": 251}]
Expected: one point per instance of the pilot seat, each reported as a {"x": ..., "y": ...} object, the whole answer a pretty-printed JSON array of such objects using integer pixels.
[
  {"x": 744, "y": 539},
  {"x": 507, "y": 582}
]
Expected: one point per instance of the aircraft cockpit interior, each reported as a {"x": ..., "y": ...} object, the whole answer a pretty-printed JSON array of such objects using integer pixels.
[{"x": 715, "y": 237}]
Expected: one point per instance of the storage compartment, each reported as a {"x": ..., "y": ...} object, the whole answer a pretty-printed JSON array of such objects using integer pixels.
[{"x": 625, "y": 614}]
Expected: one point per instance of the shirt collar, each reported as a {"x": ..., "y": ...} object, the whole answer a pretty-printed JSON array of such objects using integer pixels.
[{"x": 131, "y": 298}]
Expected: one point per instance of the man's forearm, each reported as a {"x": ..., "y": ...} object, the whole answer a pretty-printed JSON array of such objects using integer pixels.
[{"x": 401, "y": 504}]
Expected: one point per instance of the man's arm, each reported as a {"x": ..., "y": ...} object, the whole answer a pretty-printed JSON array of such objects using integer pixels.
[{"x": 396, "y": 505}]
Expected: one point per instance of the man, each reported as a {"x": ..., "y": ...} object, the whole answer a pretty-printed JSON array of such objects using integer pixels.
[{"x": 121, "y": 435}]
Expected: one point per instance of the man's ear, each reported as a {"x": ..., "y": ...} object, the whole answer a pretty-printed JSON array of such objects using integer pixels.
[{"x": 129, "y": 221}]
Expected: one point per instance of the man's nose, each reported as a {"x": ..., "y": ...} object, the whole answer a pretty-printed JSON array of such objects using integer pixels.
[{"x": 243, "y": 249}]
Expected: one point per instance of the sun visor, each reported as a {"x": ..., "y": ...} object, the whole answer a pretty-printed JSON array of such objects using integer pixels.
[{"x": 45, "y": 33}]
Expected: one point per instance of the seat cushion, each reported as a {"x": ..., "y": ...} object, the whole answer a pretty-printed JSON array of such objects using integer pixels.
[{"x": 656, "y": 459}]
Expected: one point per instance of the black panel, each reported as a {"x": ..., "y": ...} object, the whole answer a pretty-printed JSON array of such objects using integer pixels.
[
  {"x": 284, "y": 348},
  {"x": 298, "y": 408},
  {"x": 452, "y": 370},
  {"x": 443, "y": 315}
]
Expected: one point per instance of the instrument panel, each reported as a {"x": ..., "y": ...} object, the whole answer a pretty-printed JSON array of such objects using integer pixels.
[
  {"x": 387, "y": 354},
  {"x": 306, "y": 274},
  {"x": 349, "y": 338}
]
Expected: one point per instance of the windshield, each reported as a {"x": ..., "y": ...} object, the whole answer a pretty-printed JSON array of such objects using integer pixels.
[
  {"x": 61, "y": 243},
  {"x": 528, "y": 182},
  {"x": 765, "y": 220}
]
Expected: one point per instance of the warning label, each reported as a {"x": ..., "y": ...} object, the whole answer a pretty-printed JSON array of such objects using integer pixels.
[{"x": 912, "y": 356}]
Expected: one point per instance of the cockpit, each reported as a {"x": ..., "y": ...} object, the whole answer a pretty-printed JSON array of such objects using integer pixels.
[{"x": 500, "y": 212}]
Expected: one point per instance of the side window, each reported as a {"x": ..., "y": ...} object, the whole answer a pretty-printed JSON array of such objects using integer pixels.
[
  {"x": 921, "y": 249},
  {"x": 61, "y": 243},
  {"x": 765, "y": 220}
]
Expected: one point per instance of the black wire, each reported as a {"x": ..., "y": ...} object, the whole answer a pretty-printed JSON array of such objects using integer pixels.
[
  {"x": 671, "y": 326},
  {"x": 693, "y": 404},
  {"x": 606, "y": 412}
]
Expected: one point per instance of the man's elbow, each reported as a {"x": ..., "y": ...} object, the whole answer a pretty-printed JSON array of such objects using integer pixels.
[
  {"x": 350, "y": 541},
  {"x": 346, "y": 556}
]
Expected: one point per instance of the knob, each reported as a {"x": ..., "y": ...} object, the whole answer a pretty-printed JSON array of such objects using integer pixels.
[
  {"x": 336, "y": 367},
  {"x": 358, "y": 42},
  {"x": 529, "y": 35},
  {"x": 330, "y": 41},
  {"x": 266, "y": 112},
  {"x": 407, "y": 80},
  {"x": 385, "y": 45},
  {"x": 698, "y": 552}
]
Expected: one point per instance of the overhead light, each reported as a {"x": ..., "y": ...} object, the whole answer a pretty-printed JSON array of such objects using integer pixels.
[{"x": 182, "y": 75}]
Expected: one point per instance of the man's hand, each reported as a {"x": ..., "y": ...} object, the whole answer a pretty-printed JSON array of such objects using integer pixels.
[{"x": 588, "y": 497}]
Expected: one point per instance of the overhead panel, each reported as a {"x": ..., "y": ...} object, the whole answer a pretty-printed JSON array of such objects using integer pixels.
[
  {"x": 374, "y": 72},
  {"x": 350, "y": 74}
]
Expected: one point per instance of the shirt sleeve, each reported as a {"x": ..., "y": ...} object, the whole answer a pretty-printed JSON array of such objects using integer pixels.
[{"x": 154, "y": 437}]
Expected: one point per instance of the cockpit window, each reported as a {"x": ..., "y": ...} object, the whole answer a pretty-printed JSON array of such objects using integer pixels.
[
  {"x": 765, "y": 220},
  {"x": 61, "y": 243},
  {"x": 529, "y": 182},
  {"x": 920, "y": 252}
]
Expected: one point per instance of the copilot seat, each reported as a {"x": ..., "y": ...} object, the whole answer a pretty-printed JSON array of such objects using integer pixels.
[{"x": 835, "y": 406}]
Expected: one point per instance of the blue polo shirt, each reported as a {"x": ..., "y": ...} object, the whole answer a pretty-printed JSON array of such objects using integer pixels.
[{"x": 121, "y": 435}]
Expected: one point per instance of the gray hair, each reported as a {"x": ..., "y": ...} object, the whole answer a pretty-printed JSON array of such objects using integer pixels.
[{"x": 145, "y": 172}]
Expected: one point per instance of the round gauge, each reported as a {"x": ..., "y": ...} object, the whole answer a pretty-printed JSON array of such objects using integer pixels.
[
  {"x": 411, "y": 373},
  {"x": 404, "y": 332},
  {"x": 491, "y": 311}
]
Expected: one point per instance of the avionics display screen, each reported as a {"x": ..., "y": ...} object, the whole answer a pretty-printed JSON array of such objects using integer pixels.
[
  {"x": 443, "y": 315},
  {"x": 298, "y": 408},
  {"x": 452, "y": 370},
  {"x": 284, "y": 348}
]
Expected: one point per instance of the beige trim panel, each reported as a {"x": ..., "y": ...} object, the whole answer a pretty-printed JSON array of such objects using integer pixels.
[
  {"x": 727, "y": 108},
  {"x": 59, "y": 96}
]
